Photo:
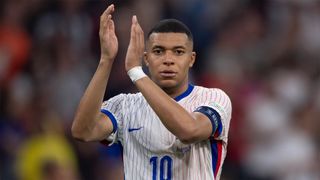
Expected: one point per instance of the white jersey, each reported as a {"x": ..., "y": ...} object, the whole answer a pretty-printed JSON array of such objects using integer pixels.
[{"x": 150, "y": 151}]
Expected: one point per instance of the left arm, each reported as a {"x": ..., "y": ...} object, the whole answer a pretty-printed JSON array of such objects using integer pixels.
[{"x": 188, "y": 127}]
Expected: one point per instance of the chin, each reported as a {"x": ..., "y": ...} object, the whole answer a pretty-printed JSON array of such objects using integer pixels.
[{"x": 165, "y": 84}]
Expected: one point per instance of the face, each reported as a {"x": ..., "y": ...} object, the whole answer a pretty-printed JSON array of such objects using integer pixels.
[{"x": 169, "y": 57}]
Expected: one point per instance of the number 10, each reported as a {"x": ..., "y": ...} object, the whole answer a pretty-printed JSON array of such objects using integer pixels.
[{"x": 165, "y": 173}]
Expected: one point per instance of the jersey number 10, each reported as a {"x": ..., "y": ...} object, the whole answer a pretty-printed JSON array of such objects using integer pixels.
[{"x": 165, "y": 167}]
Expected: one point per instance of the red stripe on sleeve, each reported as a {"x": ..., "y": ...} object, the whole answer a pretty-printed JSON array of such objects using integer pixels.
[{"x": 218, "y": 165}]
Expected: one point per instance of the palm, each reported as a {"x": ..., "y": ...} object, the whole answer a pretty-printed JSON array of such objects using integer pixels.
[{"x": 109, "y": 44}]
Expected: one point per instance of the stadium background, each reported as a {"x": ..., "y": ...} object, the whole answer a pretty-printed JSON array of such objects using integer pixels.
[{"x": 264, "y": 54}]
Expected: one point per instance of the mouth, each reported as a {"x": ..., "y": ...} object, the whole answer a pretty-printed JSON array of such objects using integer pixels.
[{"x": 168, "y": 74}]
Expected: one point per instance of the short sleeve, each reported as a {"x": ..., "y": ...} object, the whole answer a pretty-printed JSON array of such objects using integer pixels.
[
  {"x": 113, "y": 108},
  {"x": 217, "y": 107}
]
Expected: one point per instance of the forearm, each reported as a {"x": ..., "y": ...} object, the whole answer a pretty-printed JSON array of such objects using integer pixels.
[
  {"x": 86, "y": 116},
  {"x": 174, "y": 117}
]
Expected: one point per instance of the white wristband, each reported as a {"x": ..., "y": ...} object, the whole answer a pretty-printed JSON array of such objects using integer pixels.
[{"x": 136, "y": 73}]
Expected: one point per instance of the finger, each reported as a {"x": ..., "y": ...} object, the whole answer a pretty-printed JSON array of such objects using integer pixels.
[
  {"x": 136, "y": 27},
  {"x": 104, "y": 22},
  {"x": 107, "y": 22},
  {"x": 106, "y": 13},
  {"x": 134, "y": 19},
  {"x": 111, "y": 26},
  {"x": 133, "y": 31},
  {"x": 140, "y": 34},
  {"x": 103, "y": 25},
  {"x": 109, "y": 10}
]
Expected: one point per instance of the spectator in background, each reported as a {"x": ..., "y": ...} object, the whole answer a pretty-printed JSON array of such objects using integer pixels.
[
  {"x": 15, "y": 42},
  {"x": 67, "y": 32},
  {"x": 47, "y": 155}
]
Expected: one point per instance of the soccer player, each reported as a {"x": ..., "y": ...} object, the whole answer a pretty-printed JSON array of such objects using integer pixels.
[{"x": 171, "y": 129}]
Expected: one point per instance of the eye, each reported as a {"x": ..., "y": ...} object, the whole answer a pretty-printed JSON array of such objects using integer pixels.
[
  {"x": 179, "y": 52},
  {"x": 157, "y": 51}
]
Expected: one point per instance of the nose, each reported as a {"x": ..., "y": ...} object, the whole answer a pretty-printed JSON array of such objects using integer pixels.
[{"x": 168, "y": 59}]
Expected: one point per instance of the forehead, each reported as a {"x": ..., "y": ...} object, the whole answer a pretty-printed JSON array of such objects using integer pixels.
[{"x": 169, "y": 40}]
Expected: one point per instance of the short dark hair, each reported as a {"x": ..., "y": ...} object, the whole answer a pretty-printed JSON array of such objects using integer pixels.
[{"x": 171, "y": 25}]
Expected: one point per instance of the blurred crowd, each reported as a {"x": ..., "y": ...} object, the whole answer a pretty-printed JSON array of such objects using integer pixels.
[{"x": 264, "y": 53}]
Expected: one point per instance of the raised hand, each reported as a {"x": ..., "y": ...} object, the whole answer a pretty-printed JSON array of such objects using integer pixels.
[
  {"x": 136, "y": 45},
  {"x": 108, "y": 38}
]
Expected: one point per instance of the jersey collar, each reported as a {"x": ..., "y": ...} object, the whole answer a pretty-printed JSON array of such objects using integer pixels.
[{"x": 185, "y": 93}]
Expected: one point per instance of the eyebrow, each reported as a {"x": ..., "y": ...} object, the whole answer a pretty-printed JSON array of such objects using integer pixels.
[{"x": 162, "y": 47}]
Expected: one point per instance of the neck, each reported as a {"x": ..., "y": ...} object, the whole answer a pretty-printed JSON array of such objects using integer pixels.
[{"x": 176, "y": 91}]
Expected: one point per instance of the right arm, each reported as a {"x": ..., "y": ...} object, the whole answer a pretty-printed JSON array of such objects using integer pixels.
[{"x": 89, "y": 123}]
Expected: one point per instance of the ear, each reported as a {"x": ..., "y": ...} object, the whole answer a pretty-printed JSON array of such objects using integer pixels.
[
  {"x": 193, "y": 59},
  {"x": 145, "y": 58}
]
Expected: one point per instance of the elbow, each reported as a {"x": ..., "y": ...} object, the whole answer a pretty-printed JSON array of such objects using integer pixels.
[
  {"x": 78, "y": 134},
  {"x": 189, "y": 136},
  {"x": 187, "y": 140}
]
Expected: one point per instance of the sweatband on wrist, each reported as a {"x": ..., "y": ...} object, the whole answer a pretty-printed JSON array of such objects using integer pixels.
[{"x": 136, "y": 73}]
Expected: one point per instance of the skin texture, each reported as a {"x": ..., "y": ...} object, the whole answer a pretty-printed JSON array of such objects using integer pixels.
[{"x": 169, "y": 57}]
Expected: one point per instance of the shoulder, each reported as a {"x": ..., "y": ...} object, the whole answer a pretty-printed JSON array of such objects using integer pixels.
[
  {"x": 213, "y": 91},
  {"x": 214, "y": 97},
  {"x": 125, "y": 98}
]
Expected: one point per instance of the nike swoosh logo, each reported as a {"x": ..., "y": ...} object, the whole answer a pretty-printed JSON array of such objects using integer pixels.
[{"x": 134, "y": 129}]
